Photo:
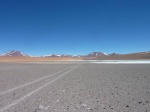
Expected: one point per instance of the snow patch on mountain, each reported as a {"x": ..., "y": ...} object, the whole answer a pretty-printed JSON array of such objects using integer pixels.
[
  {"x": 96, "y": 54},
  {"x": 14, "y": 53}
]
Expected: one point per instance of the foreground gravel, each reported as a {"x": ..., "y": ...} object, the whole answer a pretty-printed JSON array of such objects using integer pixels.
[{"x": 87, "y": 88}]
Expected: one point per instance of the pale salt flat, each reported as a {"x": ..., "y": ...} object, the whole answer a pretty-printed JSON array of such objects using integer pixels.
[{"x": 121, "y": 62}]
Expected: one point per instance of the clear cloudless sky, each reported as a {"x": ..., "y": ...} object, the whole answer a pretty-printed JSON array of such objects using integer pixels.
[{"x": 40, "y": 27}]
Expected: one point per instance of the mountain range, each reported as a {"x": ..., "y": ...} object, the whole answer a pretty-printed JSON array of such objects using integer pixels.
[
  {"x": 16, "y": 53},
  {"x": 92, "y": 55}
]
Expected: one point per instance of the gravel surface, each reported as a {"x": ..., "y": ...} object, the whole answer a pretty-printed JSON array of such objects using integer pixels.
[{"x": 74, "y": 87}]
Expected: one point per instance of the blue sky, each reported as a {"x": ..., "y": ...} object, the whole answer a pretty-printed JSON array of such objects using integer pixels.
[{"x": 40, "y": 27}]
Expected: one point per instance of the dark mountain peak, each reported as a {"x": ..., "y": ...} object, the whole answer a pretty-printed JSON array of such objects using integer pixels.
[
  {"x": 97, "y": 54},
  {"x": 14, "y": 53}
]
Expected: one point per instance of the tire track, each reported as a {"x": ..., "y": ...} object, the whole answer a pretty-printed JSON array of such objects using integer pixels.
[
  {"x": 32, "y": 82},
  {"x": 36, "y": 90}
]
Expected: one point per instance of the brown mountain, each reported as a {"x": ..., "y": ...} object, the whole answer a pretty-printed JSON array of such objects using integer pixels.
[
  {"x": 14, "y": 53},
  {"x": 96, "y": 54},
  {"x": 130, "y": 56},
  {"x": 91, "y": 56}
]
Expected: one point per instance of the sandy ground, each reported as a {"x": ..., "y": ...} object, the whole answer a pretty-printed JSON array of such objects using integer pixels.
[
  {"x": 36, "y": 59},
  {"x": 74, "y": 87}
]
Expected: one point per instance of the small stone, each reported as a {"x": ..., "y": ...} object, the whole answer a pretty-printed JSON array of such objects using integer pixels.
[
  {"x": 147, "y": 101},
  {"x": 139, "y": 102},
  {"x": 88, "y": 108},
  {"x": 84, "y": 105},
  {"x": 63, "y": 90},
  {"x": 41, "y": 107}
]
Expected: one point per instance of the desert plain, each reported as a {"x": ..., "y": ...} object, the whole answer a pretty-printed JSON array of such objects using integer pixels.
[{"x": 74, "y": 86}]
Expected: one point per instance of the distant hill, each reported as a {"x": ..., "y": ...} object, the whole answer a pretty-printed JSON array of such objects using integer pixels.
[
  {"x": 57, "y": 55},
  {"x": 90, "y": 56},
  {"x": 130, "y": 56},
  {"x": 97, "y": 54},
  {"x": 14, "y": 53}
]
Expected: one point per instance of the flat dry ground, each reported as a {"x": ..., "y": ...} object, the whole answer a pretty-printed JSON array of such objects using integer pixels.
[
  {"x": 35, "y": 59},
  {"x": 74, "y": 87}
]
